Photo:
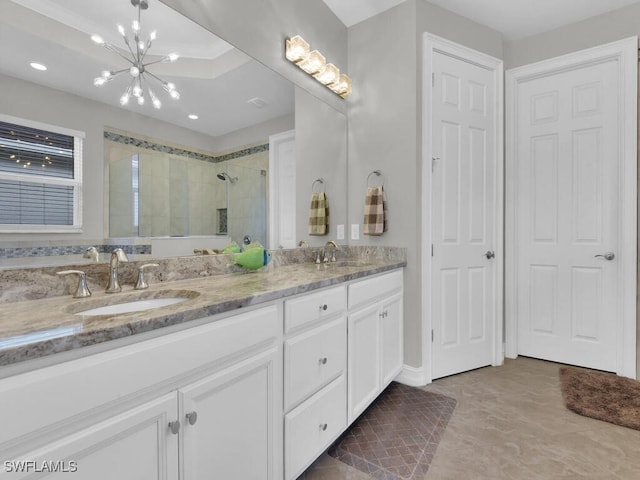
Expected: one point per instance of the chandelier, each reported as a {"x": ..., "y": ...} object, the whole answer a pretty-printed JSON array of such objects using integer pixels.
[{"x": 141, "y": 77}]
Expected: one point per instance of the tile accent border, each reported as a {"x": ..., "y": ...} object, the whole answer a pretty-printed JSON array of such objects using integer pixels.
[
  {"x": 158, "y": 147},
  {"x": 22, "y": 252}
]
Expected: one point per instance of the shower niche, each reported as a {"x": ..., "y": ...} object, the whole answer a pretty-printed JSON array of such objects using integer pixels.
[{"x": 157, "y": 194}]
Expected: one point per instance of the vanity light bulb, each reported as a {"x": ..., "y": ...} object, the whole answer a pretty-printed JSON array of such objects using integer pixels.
[
  {"x": 329, "y": 75},
  {"x": 314, "y": 63},
  {"x": 296, "y": 49}
]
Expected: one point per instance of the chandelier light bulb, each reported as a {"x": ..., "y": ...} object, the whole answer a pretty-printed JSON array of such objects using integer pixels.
[
  {"x": 141, "y": 45},
  {"x": 121, "y": 30},
  {"x": 153, "y": 35},
  {"x": 172, "y": 57},
  {"x": 106, "y": 74},
  {"x": 140, "y": 100},
  {"x": 135, "y": 25},
  {"x": 134, "y": 72},
  {"x": 137, "y": 91},
  {"x": 124, "y": 99},
  {"x": 99, "y": 81},
  {"x": 97, "y": 39},
  {"x": 174, "y": 94}
]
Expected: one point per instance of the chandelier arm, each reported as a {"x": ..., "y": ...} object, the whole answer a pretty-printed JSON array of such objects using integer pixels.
[
  {"x": 156, "y": 77},
  {"x": 113, "y": 49},
  {"x": 128, "y": 44},
  {"x": 154, "y": 62}
]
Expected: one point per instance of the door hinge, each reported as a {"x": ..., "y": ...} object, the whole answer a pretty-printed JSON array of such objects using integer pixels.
[
  {"x": 431, "y": 336},
  {"x": 433, "y": 163},
  {"x": 433, "y": 79},
  {"x": 432, "y": 249}
]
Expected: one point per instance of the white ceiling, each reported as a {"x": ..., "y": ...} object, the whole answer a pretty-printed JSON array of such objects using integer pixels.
[
  {"x": 215, "y": 80},
  {"x": 513, "y": 18}
]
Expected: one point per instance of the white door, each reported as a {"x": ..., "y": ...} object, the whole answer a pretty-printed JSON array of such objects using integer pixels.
[
  {"x": 282, "y": 190},
  {"x": 568, "y": 183},
  {"x": 465, "y": 218}
]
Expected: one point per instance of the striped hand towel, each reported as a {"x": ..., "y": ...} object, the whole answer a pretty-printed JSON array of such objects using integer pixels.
[
  {"x": 375, "y": 212},
  {"x": 319, "y": 214}
]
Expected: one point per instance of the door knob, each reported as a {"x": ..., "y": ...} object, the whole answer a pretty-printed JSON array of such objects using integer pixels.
[
  {"x": 607, "y": 256},
  {"x": 490, "y": 254}
]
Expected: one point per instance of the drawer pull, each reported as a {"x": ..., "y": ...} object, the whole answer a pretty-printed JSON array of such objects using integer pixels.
[
  {"x": 324, "y": 307},
  {"x": 192, "y": 418},
  {"x": 383, "y": 314},
  {"x": 323, "y": 427},
  {"x": 174, "y": 427},
  {"x": 323, "y": 361}
]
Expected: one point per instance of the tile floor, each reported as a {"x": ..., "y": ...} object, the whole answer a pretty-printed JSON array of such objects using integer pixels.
[{"x": 510, "y": 423}]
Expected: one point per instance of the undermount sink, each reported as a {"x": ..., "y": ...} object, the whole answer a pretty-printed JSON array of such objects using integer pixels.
[
  {"x": 136, "y": 306},
  {"x": 132, "y": 303}
]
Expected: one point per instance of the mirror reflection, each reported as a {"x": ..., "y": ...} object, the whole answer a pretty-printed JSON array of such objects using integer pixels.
[{"x": 151, "y": 174}]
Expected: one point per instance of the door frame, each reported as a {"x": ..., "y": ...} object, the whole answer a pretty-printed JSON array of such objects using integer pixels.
[
  {"x": 435, "y": 44},
  {"x": 273, "y": 219},
  {"x": 625, "y": 52}
]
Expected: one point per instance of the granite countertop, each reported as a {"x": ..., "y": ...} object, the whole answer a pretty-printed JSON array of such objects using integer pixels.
[{"x": 37, "y": 328}]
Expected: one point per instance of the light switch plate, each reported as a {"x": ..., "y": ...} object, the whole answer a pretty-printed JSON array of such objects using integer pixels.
[
  {"x": 355, "y": 231},
  {"x": 340, "y": 232}
]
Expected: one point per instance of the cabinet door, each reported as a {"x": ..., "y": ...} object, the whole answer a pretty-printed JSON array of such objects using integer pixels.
[
  {"x": 135, "y": 444},
  {"x": 237, "y": 428},
  {"x": 364, "y": 359},
  {"x": 391, "y": 323}
]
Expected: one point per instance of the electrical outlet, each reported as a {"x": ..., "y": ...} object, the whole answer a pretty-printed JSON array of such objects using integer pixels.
[
  {"x": 340, "y": 232},
  {"x": 355, "y": 231}
]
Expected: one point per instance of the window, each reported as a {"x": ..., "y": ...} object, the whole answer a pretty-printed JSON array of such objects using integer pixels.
[{"x": 40, "y": 177}]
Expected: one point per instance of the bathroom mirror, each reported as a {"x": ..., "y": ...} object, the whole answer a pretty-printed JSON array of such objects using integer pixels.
[{"x": 239, "y": 102}]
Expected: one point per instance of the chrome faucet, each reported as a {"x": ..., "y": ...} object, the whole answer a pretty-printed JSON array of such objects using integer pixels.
[
  {"x": 117, "y": 256},
  {"x": 333, "y": 244}
]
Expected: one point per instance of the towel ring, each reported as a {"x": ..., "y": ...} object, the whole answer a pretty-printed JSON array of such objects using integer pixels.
[
  {"x": 377, "y": 173},
  {"x": 317, "y": 180}
]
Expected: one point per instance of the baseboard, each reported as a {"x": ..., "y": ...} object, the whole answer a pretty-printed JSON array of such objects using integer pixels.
[{"x": 412, "y": 376}]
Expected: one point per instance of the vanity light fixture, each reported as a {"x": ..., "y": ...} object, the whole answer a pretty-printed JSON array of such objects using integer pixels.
[
  {"x": 298, "y": 51},
  {"x": 140, "y": 75}
]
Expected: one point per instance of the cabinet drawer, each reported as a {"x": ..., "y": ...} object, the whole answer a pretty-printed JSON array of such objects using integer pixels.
[
  {"x": 372, "y": 289},
  {"x": 310, "y": 428},
  {"x": 313, "y": 307},
  {"x": 312, "y": 359}
]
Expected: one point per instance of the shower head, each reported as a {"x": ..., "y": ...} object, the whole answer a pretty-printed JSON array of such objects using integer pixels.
[{"x": 225, "y": 176}]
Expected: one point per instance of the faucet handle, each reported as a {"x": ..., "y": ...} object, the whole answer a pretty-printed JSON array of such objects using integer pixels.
[
  {"x": 83, "y": 290},
  {"x": 142, "y": 284}
]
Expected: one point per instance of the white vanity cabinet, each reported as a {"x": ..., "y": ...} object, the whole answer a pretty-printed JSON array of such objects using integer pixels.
[
  {"x": 199, "y": 403},
  {"x": 315, "y": 363},
  {"x": 375, "y": 338}
]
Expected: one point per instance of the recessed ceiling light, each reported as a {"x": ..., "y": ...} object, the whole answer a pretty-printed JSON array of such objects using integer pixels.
[
  {"x": 193, "y": 116},
  {"x": 38, "y": 66}
]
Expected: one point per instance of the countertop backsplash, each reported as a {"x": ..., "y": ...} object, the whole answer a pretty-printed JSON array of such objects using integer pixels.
[{"x": 20, "y": 284}]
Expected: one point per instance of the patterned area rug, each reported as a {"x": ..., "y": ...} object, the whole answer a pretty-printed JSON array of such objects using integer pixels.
[
  {"x": 600, "y": 395},
  {"x": 397, "y": 436}
]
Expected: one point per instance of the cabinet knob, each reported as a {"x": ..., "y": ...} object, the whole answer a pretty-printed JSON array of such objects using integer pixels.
[
  {"x": 324, "y": 307},
  {"x": 323, "y": 427},
  {"x": 192, "y": 418},
  {"x": 323, "y": 361},
  {"x": 174, "y": 427}
]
